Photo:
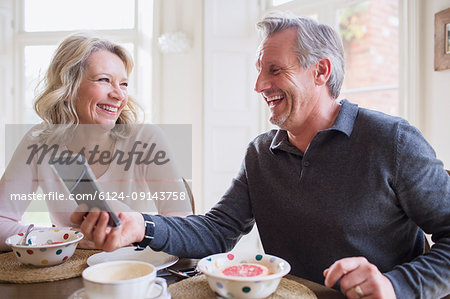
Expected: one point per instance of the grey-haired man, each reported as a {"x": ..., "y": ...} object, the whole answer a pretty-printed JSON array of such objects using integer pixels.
[{"x": 343, "y": 193}]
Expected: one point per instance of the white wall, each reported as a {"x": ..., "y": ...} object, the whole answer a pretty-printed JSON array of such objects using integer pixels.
[
  {"x": 230, "y": 106},
  {"x": 180, "y": 85},
  {"x": 435, "y": 86}
]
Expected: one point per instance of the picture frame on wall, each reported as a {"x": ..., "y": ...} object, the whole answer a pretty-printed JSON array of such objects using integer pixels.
[
  {"x": 442, "y": 40},
  {"x": 447, "y": 39}
]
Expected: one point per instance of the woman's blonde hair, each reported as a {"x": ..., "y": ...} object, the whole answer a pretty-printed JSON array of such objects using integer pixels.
[{"x": 55, "y": 104}]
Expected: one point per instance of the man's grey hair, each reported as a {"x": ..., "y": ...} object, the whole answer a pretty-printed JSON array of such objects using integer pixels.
[{"x": 314, "y": 41}]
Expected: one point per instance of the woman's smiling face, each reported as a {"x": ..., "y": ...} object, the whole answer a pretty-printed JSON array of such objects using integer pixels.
[{"x": 103, "y": 91}]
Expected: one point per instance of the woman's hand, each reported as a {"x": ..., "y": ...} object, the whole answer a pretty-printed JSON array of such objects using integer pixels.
[
  {"x": 84, "y": 243},
  {"x": 359, "y": 279},
  {"x": 95, "y": 228}
]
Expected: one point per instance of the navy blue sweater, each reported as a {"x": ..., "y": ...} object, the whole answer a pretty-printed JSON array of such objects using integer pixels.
[{"x": 368, "y": 186}]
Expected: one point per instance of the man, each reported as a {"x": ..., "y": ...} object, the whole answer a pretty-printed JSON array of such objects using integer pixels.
[{"x": 340, "y": 192}]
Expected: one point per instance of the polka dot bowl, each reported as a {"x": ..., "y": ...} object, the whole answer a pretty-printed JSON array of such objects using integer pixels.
[
  {"x": 243, "y": 287},
  {"x": 45, "y": 247}
]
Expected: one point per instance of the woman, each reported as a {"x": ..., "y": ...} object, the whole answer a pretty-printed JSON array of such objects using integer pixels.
[{"x": 86, "y": 110}]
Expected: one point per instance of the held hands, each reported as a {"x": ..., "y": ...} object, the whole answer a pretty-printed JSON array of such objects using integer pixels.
[
  {"x": 94, "y": 227},
  {"x": 359, "y": 279}
]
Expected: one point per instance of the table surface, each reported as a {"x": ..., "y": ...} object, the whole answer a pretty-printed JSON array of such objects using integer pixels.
[{"x": 64, "y": 288}]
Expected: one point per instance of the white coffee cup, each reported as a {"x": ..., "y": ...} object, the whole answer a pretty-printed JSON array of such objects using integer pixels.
[{"x": 121, "y": 279}]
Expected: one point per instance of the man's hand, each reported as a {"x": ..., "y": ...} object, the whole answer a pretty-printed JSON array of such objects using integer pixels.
[
  {"x": 95, "y": 228},
  {"x": 359, "y": 279}
]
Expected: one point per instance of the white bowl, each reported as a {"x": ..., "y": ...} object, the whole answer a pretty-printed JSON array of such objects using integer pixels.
[
  {"x": 46, "y": 247},
  {"x": 243, "y": 287}
]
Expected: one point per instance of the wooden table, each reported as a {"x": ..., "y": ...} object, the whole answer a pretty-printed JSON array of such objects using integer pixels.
[{"x": 64, "y": 288}]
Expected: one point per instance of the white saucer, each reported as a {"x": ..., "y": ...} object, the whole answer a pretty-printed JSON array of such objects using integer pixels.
[
  {"x": 158, "y": 259},
  {"x": 155, "y": 290}
]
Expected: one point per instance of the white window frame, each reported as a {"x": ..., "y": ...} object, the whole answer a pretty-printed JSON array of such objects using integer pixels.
[
  {"x": 409, "y": 102},
  {"x": 141, "y": 77}
]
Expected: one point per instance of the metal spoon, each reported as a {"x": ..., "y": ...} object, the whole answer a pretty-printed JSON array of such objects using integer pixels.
[{"x": 29, "y": 229}]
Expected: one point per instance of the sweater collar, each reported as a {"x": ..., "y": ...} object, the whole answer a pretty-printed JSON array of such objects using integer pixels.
[
  {"x": 346, "y": 118},
  {"x": 344, "y": 123}
]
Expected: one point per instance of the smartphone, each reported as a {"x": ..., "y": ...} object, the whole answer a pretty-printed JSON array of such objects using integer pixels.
[{"x": 80, "y": 181}]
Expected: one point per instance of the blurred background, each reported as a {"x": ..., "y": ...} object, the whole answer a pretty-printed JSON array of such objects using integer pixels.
[{"x": 195, "y": 64}]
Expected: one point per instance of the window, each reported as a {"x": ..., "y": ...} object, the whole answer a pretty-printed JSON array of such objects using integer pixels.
[
  {"x": 280, "y": 2},
  {"x": 370, "y": 33},
  {"x": 66, "y": 15},
  {"x": 43, "y": 24},
  {"x": 35, "y": 62}
]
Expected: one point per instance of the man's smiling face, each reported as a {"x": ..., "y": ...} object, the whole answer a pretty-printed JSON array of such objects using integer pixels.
[{"x": 284, "y": 84}]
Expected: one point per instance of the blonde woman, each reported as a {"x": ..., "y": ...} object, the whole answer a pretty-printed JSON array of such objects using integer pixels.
[{"x": 86, "y": 110}]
